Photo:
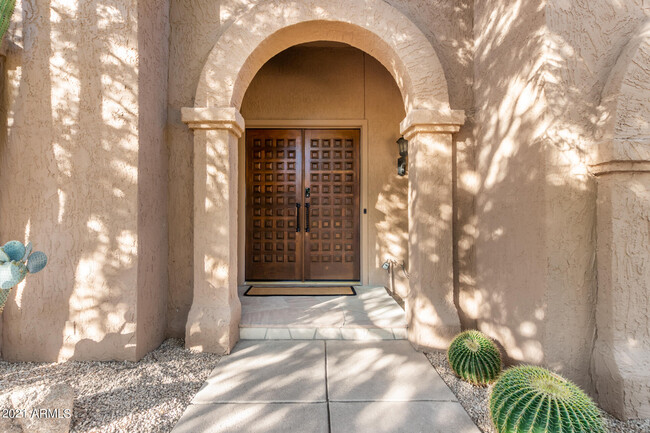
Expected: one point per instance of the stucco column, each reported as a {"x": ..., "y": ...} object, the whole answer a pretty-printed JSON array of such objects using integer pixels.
[
  {"x": 213, "y": 320},
  {"x": 621, "y": 359},
  {"x": 432, "y": 317}
]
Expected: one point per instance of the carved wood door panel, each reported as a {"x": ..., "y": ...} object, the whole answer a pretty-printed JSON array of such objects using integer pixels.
[
  {"x": 302, "y": 205},
  {"x": 273, "y": 194},
  {"x": 332, "y": 175}
]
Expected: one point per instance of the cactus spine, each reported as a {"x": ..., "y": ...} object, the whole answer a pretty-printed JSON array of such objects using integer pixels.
[
  {"x": 533, "y": 399},
  {"x": 474, "y": 357}
]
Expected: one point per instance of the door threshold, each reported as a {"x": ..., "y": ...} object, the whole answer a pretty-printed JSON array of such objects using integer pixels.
[{"x": 302, "y": 283}]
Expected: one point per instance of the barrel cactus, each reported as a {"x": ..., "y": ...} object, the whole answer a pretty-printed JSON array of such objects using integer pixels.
[
  {"x": 533, "y": 399},
  {"x": 16, "y": 261},
  {"x": 6, "y": 10},
  {"x": 474, "y": 357}
]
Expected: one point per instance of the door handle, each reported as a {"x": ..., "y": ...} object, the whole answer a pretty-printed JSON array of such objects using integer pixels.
[
  {"x": 306, "y": 217},
  {"x": 297, "y": 217}
]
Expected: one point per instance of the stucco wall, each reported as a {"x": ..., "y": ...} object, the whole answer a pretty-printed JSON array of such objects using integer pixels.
[
  {"x": 510, "y": 245},
  {"x": 449, "y": 26},
  {"x": 539, "y": 73},
  {"x": 70, "y": 163},
  {"x": 195, "y": 28},
  {"x": 153, "y": 157},
  {"x": 536, "y": 203},
  {"x": 584, "y": 41},
  {"x": 621, "y": 361}
]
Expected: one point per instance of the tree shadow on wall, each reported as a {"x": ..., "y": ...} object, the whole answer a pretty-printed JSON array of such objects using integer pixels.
[{"x": 73, "y": 135}]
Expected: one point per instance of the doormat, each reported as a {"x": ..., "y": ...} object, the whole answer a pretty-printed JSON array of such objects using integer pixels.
[{"x": 300, "y": 291}]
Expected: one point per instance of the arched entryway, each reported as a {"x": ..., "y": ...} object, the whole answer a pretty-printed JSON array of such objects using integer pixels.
[{"x": 265, "y": 30}]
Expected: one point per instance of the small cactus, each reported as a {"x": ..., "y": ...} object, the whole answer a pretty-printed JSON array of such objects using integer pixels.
[
  {"x": 37, "y": 261},
  {"x": 474, "y": 357},
  {"x": 16, "y": 261},
  {"x": 533, "y": 399},
  {"x": 14, "y": 250},
  {"x": 6, "y": 10},
  {"x": 11, "y": 274}
]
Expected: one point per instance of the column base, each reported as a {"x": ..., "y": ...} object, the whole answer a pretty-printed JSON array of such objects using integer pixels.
[
  {"x": 426, "y": 336},
  {"x": 213, "y": 329},
  {"x": 622, "y": 380}
]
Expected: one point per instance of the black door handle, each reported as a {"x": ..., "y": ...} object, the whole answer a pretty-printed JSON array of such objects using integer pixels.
[
  {"x": 306, "y": 217},
  {"x": 297, "y": 217}
]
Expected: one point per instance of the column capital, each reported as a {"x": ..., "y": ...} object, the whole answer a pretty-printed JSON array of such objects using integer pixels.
[
  {"x": 610, "y": 167},
  {"x": 431, "y": 121},
  {"x": 228, "y": 118}
]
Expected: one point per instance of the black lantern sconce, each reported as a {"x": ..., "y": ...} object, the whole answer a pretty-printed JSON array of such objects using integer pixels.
[{"x": 403, "y": 145}]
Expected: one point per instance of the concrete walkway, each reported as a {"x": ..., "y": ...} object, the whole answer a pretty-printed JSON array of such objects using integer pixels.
[{"x": 325, "y": 386}]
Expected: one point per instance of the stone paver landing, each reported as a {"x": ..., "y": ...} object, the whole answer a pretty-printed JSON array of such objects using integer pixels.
[
  {"x": 370, "y": 315},
  {"x": 324, "y": 386}
]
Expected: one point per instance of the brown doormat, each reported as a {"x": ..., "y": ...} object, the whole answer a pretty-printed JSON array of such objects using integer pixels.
[{"x": 300, "y": 291}]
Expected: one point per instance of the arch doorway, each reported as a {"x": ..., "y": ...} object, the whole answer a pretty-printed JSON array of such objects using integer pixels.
[{"x": 258, "y": 35}]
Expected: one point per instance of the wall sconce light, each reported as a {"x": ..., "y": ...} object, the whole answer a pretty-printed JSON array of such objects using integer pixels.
[{"x": 403, "y": 146}]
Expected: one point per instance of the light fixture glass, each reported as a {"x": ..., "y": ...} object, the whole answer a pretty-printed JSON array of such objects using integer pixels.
[{"x": 403, "y": 146}]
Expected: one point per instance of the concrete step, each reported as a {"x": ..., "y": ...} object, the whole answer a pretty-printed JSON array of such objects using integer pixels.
[{"x": 322, "y": 333}]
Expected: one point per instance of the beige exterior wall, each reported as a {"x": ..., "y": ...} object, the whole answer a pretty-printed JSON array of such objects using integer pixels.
[
  {"x": 195, "y": 27},
  {"x": 621, "y": 362},
  {"x": 93, "y": 91},
  {"x": 621, "y": 359},
  {"x": 77, "y": 74},
  {"x": 539, "y": 76},
  {"x": 153, "y": 157},
  {"x": 536, "y": 202},
  {"x": 509, "y": 301}
]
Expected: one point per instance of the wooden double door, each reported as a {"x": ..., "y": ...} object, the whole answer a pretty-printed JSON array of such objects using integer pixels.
[{"x": 302, "y": 205}]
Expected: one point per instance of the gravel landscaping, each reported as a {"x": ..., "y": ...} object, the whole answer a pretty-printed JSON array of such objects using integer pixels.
[
  {"x": 145, "y": 396},
  {"x": 475, "y": 400},
  {"x": 152, "y": 394}
]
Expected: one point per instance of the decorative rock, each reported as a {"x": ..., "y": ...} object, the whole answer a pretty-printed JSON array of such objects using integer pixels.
[{"x": 47, "y": 409}]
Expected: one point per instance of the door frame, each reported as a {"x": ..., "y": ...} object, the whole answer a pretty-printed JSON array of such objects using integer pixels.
[{"x": 362, "y": 126}]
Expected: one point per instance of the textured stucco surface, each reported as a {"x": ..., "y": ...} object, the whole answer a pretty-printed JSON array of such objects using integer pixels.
[
  {"x": 621, "y": 359},
  {"x": 585, "y": 40},
  {"x": 540, "y": 70},
  {"x": 622, "y": 352},
  {"x": 536, "y": 203},
  {"x": 71, "y": 159},
  {"x": 432, "y": 318},
  {"x": 213, "y": 320},
  {"x": 510, "y": 258},
  {"x": 312, "y": 83},
  {"x": 252, "y": 40},
  {"x": 554, "y": 92},
  {"x": 153, "y": 34},
  {"x": 625, "y": 133}
]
